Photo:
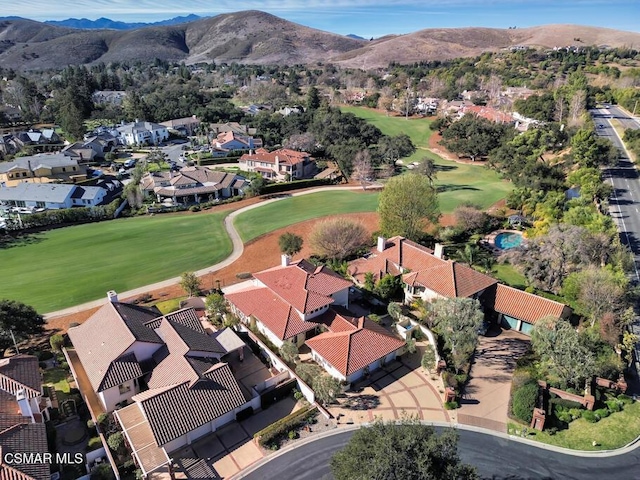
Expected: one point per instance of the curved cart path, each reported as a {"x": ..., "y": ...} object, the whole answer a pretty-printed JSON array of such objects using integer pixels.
[{"x": 236, "y": 252}]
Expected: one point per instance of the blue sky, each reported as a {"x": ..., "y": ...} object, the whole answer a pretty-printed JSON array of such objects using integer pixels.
[{"x": 362, "y": 17}]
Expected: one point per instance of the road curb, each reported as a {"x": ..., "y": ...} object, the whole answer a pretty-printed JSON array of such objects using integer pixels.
[{"x": 532, "y": 443}]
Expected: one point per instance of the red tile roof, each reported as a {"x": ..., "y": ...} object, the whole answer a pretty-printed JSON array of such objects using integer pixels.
[
  {"x": 273, "y": 312},
  {"x": 303, "y": 285},
  {"x": 398, "y": 252},
  {"x": 451, "y": 279},
  {"x": 352, "y": 343},
  {"x": 285, "y": 156},
  {"x": 524, "y": 306}
]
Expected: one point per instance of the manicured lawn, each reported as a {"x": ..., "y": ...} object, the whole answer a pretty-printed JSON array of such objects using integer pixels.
[
  {"x": 457, "y": 182},
  {"x": 72, "y": 265},
  {"x": 292, "y": 210},
  {"x": 57, "y": 377},
  {"x": 615, "y": 431},
  {"x": 171, "y": 305},
  {"x": 508, "y": 275}
]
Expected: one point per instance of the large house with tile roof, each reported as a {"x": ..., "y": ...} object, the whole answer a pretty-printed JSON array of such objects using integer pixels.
[
  {"x": 22, "y": 429},
  {"x": 428, "y": 276},
  {"x": 278, "y": 165},
  {"x": 193, "y": 185},
  {"x": 166, "y": 375},
  {"x": 352, "y": 346},
  {"x": 305, "y": 304}
]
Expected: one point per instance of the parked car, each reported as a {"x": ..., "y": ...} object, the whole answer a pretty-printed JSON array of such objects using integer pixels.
[{"x": 130, "y": 163}]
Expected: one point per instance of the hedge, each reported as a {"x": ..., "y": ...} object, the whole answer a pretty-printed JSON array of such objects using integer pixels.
[
  {"x": 295, "y": 185},
  {"x": 565, "y": 403},
  {"x": 524, "y": 401},
  {"x": 282, "y": 427},
  {"x": 67, "y": 216}
]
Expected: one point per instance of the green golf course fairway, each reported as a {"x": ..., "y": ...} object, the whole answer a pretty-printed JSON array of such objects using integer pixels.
[
  {"x": 456, "y": 182},
  {"x": 292, "y": 210},
  {"x": 72, "y": 265}
]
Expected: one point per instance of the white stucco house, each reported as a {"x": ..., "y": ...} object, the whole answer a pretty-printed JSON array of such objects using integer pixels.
[{"x": 143, "y": 133}]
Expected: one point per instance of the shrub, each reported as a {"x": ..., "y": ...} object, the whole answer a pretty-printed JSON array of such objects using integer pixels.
[
  {"x": 564, "y": 416},
  {"x": 450, "y": 405},
  {"x": 590, "y": 416},
  {"x": 271, "y": 435},
  {"x": 418, "y": 334},
  {"x": 144, "y": 298},
  {"x": 293, "y": 435},
  {"x": 57, "y": 342},
  {"x": 601, "y": 413},
  {"x": 116, "y": 442},
  {"x": 374, "y": 318},
  {"x": 567, "y": 404},
  {"x": 91, "y": 424},
  {"x": 194, "y": 208},
  {"x": 42, "y": 365},
  {"x": 625, "y": 399},
  {"x": 94, "y": 444},
  {"x": 74, "y": 324},
  {"x": 524, "y": 401},
  {"x": 576, "y": 413},
  {"x": 614, "y": 405},
  {"x": 449, "y": 380}
]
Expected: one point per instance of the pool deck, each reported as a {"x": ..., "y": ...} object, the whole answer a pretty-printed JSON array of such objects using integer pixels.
[{"x": 489, "y": 241}]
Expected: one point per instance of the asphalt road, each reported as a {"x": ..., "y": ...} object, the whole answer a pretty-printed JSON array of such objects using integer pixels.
[
  {"x": 624, "y": 204},
  {"x": 494, "y": 458}
]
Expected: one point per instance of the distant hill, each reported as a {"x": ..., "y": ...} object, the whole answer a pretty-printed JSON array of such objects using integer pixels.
[
  {"x": 101, "y": 23},
  {"x": 260, "y": 38},
  {"x": 448, "y": 43},
  {"x": 354, "y": 36}
]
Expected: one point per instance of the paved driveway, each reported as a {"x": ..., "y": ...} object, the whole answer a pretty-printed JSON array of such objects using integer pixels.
[
  {"x": 486, "y": 398},
  {"x": 399, "y": 388},
  {"x": 229, "y": 450}
]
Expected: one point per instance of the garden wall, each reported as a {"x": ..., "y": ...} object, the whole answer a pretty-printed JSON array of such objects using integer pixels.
[{"x": 277, "y": 362}]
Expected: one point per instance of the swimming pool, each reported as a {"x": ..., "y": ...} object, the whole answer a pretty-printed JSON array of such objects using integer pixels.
[{"x": 507, "y": 240}]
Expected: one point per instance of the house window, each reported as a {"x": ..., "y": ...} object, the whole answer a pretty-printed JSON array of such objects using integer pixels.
[
  {"x": 40, "y": 205},
  {"x": 24, "y": 174},
  {"x": 124, "y": 388},
  {"x": 64, "y": 169}
]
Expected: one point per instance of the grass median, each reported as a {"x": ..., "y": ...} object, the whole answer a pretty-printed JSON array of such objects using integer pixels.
[{"x": 68, "y": 266}]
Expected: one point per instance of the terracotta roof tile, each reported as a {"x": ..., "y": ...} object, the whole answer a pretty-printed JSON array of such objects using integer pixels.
[
  {"x": 274, "y": 313},
  {"x": 524, "y": 306},
  {"x": 450, "y": 279},
  {"x": 303, "y": 285},
  {"x": 352, "y": 343}
]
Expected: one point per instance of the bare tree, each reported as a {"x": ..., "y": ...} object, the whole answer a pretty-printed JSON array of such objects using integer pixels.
[
  {"x": 428, "y": 168},
  {"x": 338, "y": 238},
  {"x": 470, "y": 218},
  {"x": 304, "y": 142},
  {"x": 576, "y": 107},
  {"x": 362, "y": 168}
]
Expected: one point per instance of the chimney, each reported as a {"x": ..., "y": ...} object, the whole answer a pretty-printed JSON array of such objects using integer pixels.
[
  {"x": 286, "y": 259},
  {"x": 382, "y": 244},
  {"x": 438, "y": 250},
  {"x": 277, "y": 164},
  {"x": 23, "y": 403},
  {"x": 112, "y": 296}
]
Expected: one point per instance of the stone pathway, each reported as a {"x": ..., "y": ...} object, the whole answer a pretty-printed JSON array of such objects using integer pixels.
[{"x": 398, "y": 390}]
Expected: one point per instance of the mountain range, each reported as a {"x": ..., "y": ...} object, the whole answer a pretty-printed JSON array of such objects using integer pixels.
[
  {"x": 256, "y": 37},
  {"x": 100, "y": 23}
]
